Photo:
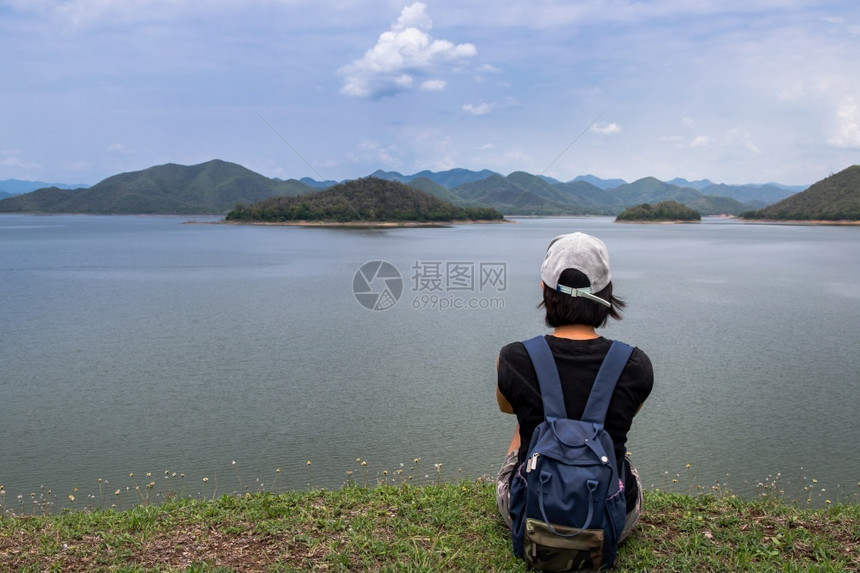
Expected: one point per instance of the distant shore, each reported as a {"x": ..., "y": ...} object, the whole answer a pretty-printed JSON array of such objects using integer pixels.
[
  {"x": 811, "y": 222},
  {"x": 847, "y": 223},
  {"x": 656, "y": 222},
  {"x": 366, "y": 224}
]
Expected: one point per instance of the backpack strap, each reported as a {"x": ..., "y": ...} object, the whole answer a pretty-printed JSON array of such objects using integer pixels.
[
  {"x": 550, "y": 383},
  {"x": 604, "y": 385},
  {"x": 547, "y": 375}
]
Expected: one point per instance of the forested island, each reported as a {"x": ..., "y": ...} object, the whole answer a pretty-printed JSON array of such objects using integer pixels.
[
  {"x": 368, "y": 200},
  {"x": 663, "y": 212}
]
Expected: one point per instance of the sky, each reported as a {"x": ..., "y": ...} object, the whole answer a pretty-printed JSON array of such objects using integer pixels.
[{"x": 737, "y": 92}]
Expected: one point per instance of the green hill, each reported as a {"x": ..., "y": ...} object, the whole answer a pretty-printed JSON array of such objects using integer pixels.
[
  {"x": 598, "y": 200},
  {"x": 717, "y": 205},
  {"x": 368, "y": 200},
  {"x": 433, "y": 188},
  {"x": 38, "y": 201},
  {"x": 836, "y": 198},
  {"x": 448, "y": 179},
  {"x": 757, "y": 196},
  {"x": 208, "y": 188},
  {"x": 652, "y": 190},
  {"x": 524, "y": 194},
  {"x": 520, "y": 194},
  {"x": 666, "y": 211}
]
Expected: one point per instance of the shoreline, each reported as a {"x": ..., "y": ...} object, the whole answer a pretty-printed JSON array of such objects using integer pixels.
[
  {"x": 417, "y": 224},
  {"x": 365, "y": 224},
  {"x": 806, "y": 222},
  {"x": 656, "y": 222}
]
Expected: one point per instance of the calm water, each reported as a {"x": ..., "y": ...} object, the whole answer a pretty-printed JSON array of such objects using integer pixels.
[{"x": 142, "y": 344}]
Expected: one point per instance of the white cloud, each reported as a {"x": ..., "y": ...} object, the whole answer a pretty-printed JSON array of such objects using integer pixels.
[
  {"x": 405, "y": 50},
  {"x": 483, "y": 108},
  {"x": 479, "y": 109},
  {"x": 371, "y": 150},
  {"x": 84, "y": 14},
  {"x": 120, "y": 149},
  {"x": 433, "y": 85},
  {"x": 413, "y": 16},
  {"x": 428, "y": 147},
  {"x": 18, "y": 163},
  {"x": 81, "y": 165},
  {"x": 800, "y": 89},
  {"x": 514, "y": 157},
  {"x": 168, "y": 70},
  {"x": 606, "y": 128},
  {"x": 733, "y": 138},
  {"x": 742, "y": 137},
  {"x": 848, "y": 125}
]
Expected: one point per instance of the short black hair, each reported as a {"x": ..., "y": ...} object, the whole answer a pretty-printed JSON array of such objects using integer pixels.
[{"x": 563, "y": 309}]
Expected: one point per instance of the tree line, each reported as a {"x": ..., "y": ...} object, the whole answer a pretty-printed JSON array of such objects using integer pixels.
[
  {"x": 367, "y": 199},
  {"x": 664, "y": 211}
]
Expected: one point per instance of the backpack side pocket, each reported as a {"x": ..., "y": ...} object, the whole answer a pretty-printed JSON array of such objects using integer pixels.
[
  {"x": 616, "y": 515},
  {"x": 517, "y": 509}
]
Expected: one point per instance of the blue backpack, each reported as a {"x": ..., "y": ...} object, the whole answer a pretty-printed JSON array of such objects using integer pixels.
[{"x": 566, "y": 500}]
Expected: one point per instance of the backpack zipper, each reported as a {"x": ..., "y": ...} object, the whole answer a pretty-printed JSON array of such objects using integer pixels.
[{"x": 531, "y": 463}]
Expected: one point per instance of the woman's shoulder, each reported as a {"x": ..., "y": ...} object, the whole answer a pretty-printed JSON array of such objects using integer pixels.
[
  {"x": 641, "y": 360},
  {"x": 638, "y": 357},
  {"x": 513, "y": 351},
  {"x": 561, "y": 346},
  {"x": 639, "y": 372}
]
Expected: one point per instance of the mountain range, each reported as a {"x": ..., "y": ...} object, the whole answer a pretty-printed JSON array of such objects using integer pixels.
[
  {"x": 11, "y": 187},
  {"x": 521, "y": 193},
  {"x": 217, "y": 186}
]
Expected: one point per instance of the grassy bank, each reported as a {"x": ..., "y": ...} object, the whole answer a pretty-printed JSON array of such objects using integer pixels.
[{"x": 441, "y": 527}]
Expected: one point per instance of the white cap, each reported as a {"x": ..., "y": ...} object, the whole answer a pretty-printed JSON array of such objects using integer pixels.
[{"x": 582, "y": 252}]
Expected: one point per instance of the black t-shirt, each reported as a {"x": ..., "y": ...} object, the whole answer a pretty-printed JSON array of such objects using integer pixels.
[{"x": 578, "y": 362}]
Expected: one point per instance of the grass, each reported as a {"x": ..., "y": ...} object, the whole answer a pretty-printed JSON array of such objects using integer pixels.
[{"x": 406, "y": 527}]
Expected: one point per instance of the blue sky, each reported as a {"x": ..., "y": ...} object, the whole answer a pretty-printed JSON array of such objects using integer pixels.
[{"x": 732, "y": 91}]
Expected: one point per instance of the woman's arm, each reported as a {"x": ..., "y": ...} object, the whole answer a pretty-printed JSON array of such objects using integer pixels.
[{"x": 504, "y": 405}]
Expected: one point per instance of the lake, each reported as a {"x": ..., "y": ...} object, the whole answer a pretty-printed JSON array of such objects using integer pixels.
[{"x": 144, "y": 345}]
